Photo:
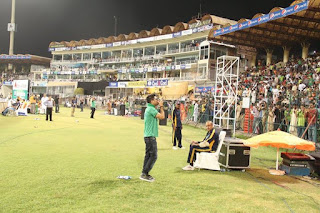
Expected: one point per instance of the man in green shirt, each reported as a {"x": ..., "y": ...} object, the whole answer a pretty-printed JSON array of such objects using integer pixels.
[{"x": 151, "y": 117}]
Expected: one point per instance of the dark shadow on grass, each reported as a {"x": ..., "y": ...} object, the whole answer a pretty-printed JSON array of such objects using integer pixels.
[
  {"x": 110, "y": 185},
  {"x": 262, "y": 175}
]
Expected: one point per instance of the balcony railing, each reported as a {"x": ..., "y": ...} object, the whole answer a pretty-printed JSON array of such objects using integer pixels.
[{"x": 158, "y": 55}]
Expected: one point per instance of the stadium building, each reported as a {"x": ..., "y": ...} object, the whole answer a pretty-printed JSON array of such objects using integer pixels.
[{"x": 181, "y": 56}]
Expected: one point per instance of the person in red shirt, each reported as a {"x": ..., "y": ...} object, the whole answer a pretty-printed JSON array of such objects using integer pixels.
[{"x": 312, "y": 115}]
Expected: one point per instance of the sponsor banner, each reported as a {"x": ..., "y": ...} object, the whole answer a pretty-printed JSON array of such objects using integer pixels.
[
  {"x": 150, "y": 69},
  {"x": 188, "y": 66},
  {"x": 186, "y": 32},
  {"x": 115, "y": 44},
  {"x": 157, "y": 83},
  {"x": 178, "y": 34},
  {"x": 131, "y": 42},
  {"x": 39, "y": 84},
  {"x": 122, "y": 84},
  {"x": 178, "y": 67},
  {"x": 113, "y": 84},
  {"x": 8, "y": 83},
  {"x": 136, "y": 84},
  {"x": 63, "y": 49},
  {"x": 263, "y": 19},
  {"x": 204, "y": 89},
  {"x": 51, "y": 49},
  {"x": 109, "y": 45},
  {"x": 84, "y": 48},
  {"x": 20, "y": 89},
  {"x": 145, "y": 39},
  {"x": 20, "y": 85},
  {"x": 14, "y": 57},
  {"x": 98, "y": 46},
  {"x": 162, "y": 37},
  {"x": 182, "y": 66}
]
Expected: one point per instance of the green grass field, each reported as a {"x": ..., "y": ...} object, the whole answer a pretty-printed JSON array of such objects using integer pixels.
[{"x": 72, "y": 164}]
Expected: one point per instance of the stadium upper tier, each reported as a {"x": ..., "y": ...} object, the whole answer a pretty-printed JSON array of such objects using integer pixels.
[{"x": 207, "y": 22}]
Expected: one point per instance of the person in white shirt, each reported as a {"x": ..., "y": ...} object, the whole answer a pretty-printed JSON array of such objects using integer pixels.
[
  {"x": 43, "y": 106},
  {"x": 195, "y": 112}
]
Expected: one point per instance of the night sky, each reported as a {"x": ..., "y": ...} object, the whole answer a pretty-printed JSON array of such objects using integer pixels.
[{"x": 42, "y": 21}]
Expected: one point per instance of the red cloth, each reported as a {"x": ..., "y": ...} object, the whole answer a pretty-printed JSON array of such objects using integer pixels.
[{"x": 310, "y": 114}]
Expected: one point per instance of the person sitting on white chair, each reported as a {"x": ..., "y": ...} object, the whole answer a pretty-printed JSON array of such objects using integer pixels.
[{"x": 209, "y": 144}]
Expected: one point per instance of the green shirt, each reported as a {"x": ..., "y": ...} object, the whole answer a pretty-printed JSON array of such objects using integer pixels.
[
  {"x": 93, "y": 104},
  {"x": 150, "y": 121},
  {"x": 301, "y": 119}
]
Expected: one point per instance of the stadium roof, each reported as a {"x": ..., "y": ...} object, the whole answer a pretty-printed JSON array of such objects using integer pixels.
[
  {"x": 24, "y": 59},
  {"x": 180, "y": 26},
  {"x": 279, "y": 29}
]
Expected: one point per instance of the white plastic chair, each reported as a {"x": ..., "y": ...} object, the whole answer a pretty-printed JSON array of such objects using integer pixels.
[{"x": 209, "y": 160}]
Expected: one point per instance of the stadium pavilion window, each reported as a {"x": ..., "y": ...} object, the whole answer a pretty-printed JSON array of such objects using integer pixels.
[
  {"x": 67, "y": 57},
  {"x": 51, "y": 77},
  {"x": 106, "y": 55},
  {"x": 161, "y": 49},
  {"x": 63, "y": 77},
  {"x": 187, "y": 60},
  {"x": 149, "y": 51},
  {"x": 77, "y": 77},
  {"x": 86, "y": 56},
  {"x": 137, "y": 52},
  {"x": 97, "y": 55},
  {"x": 57, "y": 57},
  {"x": 137, "y": 75},
  {"x": 116, "y": 54},
  {"x": 204, "y": 52},
  {"x": 173, "y": 47},
  {"x": 202, "y": 72},
  {"x": 127, "y": 53},
  {"x": 76, "y": 57},
  {"x": 198, "y": 41},
  {"x": 186, "y": 45}
]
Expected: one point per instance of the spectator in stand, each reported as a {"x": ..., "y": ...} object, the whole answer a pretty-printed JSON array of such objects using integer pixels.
[
  {"x": 312, "y": 115},
  {"x": 301, "y": 121}
]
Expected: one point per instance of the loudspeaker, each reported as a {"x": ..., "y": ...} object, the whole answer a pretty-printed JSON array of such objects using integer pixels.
[
  {"x": 164, "y": 121},
  {"x": 122, "y": 110},
  {"x": 143, "y": 109}
]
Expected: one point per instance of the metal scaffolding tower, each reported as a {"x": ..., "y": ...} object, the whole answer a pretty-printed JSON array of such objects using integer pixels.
[{"x": 226, "y": 90}]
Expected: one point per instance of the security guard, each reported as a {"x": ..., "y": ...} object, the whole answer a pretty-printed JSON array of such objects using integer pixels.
[{"x": 176, "y": 127}]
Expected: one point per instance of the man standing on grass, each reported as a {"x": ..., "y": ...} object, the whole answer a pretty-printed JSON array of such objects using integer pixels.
[
  {"x": 93, "y": 107},
  {"x": 73, "y": 105},
  {"x": 151, "y": 117},
  {"x": 176, "y": 127},
  {"x": 49, "y": 103}
]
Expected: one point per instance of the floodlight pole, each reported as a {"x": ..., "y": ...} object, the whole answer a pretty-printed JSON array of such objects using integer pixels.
[
  {"x": 12, "y": 31},
  {"x": 115, "y": 25}
]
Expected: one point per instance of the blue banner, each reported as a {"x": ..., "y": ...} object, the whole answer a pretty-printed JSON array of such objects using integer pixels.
[
  {"x": 113, "y": 84},
  {"x": 263, "y": 19},
  {"x": 158, "y": 83},
  {"x": 204, "y": 89}
]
